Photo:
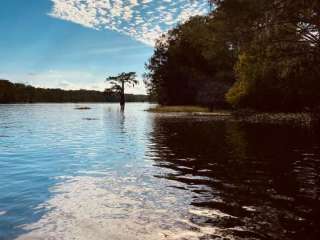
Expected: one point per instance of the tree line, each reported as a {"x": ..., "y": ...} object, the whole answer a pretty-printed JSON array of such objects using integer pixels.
[
  {"x": 21, "y": 93},
  {"x": 260, "y": 54}
]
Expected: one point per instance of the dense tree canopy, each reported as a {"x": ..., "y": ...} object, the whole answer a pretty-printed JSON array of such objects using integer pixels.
[
  {"x": 278, "y": 60},
  {"x": 263, "y": 54},
  {"x": 191, "y": 65}
]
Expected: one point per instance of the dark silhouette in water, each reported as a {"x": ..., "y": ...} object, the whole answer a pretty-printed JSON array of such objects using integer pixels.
[{"x": 118, "y": 84}]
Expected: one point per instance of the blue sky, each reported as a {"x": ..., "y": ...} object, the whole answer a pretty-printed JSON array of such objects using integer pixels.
[{"x": 76, "y": 44}]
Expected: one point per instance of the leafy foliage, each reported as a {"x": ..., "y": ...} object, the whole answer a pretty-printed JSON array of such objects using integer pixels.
[
  {"x": 118, "y": 84},
  {"x": 279, "y": 48},
  {"x": 188, "y": 62},
  {"x": 267, "y": 50}
]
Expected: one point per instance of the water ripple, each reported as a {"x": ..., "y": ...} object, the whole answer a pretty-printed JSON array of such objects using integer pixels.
[{"x": 138, "y": 175}]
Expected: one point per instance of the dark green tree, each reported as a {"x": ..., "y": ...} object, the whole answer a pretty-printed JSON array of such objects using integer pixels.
[
  {"x": 271, "y": 48},
  {"x": 118, "y": 84},
  {"x": 191, "y": 65},
  {"x": 278, "y": 42}
]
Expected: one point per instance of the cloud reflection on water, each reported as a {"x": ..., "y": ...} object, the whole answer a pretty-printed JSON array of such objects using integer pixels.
[
  {"x": 145, "y": 176},
  {"x": 109, "y": 207}
]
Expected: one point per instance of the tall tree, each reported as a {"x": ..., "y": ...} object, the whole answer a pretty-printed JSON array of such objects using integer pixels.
[
  {"x": 118, "y": 84},
  {"x": 191, "y": 64}
]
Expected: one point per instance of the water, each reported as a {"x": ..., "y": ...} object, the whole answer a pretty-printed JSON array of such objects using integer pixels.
[{"x": 101, "y": 174}]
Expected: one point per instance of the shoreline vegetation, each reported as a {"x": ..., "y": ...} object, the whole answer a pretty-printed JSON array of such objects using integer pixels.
[
  {"x": 262, "y": 55},
  {"x": 176, "y": 109},
  {"x": 21, "y": 93},
  {"x": 244, "y": 115}
]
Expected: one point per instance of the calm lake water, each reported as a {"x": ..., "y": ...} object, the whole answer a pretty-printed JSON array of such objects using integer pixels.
[{"x": 100, "y": 174}]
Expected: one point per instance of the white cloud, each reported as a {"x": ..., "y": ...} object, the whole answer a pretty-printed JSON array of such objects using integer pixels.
[{"x": 144, "y": 20}]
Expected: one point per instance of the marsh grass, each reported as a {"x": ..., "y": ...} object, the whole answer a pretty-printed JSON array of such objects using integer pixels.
[
  {"x": 248, "y": 116},
  {"x": 175, "y": 109}
]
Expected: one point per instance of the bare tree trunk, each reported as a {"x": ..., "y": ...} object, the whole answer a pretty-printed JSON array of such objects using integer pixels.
[{"x": 122, "y": 97}]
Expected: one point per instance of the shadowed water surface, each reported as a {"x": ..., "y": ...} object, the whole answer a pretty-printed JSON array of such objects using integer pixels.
[{"x": 101, "y": 174}]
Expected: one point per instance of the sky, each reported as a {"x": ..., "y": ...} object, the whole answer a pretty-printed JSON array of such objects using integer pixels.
[{"x": 74, "y": 44}]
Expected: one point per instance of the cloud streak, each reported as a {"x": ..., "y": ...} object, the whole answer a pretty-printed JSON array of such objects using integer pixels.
[{"x": 143, "y": 20}]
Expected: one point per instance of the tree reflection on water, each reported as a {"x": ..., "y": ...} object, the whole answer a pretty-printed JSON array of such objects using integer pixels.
[{"x": 251, "y": 181}]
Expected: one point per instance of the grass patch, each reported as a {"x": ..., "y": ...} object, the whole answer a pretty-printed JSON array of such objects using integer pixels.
[{"x": 176, "y": 109}]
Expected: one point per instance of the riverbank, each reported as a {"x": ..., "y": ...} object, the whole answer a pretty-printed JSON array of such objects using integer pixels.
[
  {"x": 181, "y": 109},
  {"x": 304, "y": 118}
]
